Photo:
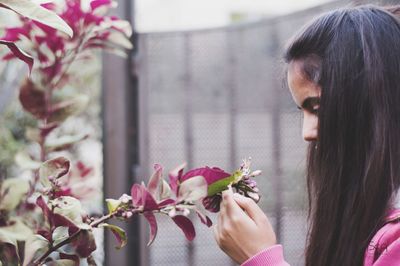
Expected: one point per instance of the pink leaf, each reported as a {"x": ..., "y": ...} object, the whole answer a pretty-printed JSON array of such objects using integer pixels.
[
  {"x": 149, "y": 203},
  {"x": 136, "y": 194},
  {"x": 211, "y": 175},
  {"x": 186, "y": 225},
  {"x": 98, "y": 3},
  {"x": 175, "y": 177},
  {"x": 204, "y": 218},
  {"x": 141, "y": 197},
  {"x": 165, "y": 203},
  {"x": 19, "y": 53},
  {"x": 153, "y": 226},
  {"x": 155, "y": 179}
]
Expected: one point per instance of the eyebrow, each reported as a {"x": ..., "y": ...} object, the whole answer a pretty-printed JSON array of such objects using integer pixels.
[{"x": 309, "y": 102}]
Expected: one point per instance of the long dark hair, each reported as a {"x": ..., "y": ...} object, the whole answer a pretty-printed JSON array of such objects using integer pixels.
[{"x": 354, "y": 165}]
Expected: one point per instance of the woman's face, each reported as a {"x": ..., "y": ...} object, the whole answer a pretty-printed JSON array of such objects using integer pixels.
[{"x": 306, "y": 94}]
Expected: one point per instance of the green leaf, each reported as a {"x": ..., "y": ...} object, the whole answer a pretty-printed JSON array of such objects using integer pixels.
[
  {"x": 112, "y": 204},
  {"x": 14, "y": 191},
  {"x": 62, "y": 262},
  {"x": 69, "y": 207},
  {"x": 35, "y": 12},
  {"x": 16, "y": 231},
  {"x": 59, "y": 235},
  {"x": 62, "y": 110},
  {"x": 64, "y": 142},
  {"x": 223, "y": 184},
  {"x": 193, "y": 189},
  {"x": 35, "y": 246},
  {"x": 165, "y": 190},
  {"x": 53, "y": 168},
  {"x": 24, "y": 161},
  {"x": 119, "y": 234},
  {"x": 119, "y": 39},
  {"x": 32, "y": 134}
]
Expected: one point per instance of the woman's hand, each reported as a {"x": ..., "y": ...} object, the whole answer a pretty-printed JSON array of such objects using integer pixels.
[{"x": 243, "y": 230}]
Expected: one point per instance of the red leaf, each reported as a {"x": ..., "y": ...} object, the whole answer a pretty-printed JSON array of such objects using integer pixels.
[
  {"x": 186, "y": 225},
  {"x": 33, "y": 99},
  {"x": 47, "y": 129},
  {"x": 153, "y": 226},
  {"x": 212, "y": 203},
  {"x": 74, "y": 258},
  {"x": 19, "y": 53},
  {"x": 149, "y": 203},
  {"x": 59, "y": 220},
  {"x": 43, "y": 205},
  {"x": 84, "y": 244}
]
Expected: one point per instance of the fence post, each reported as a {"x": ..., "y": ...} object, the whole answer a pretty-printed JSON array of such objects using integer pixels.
[
  {"x": 120, "y": 136},
  {"x": 188, "y": 119},
  {"x": 276, "y": 137},
  {"x": 233, "y": 37}
]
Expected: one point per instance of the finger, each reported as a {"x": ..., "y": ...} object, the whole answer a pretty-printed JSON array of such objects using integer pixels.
[
  {"x": 221, "y": 215},
  {"x": 251, "y": 208},
  {"x": 216, "y": 234},
  {"x": 229, "y": 204}
]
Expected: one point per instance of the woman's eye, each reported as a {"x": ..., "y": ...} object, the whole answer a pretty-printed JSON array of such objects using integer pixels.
[{"x": 314, "y": 111}]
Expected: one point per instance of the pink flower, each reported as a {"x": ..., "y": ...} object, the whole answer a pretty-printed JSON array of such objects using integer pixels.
[{"x": 211, "y": 175}]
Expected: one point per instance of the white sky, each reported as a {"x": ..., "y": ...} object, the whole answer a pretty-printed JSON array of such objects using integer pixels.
[{"x": 170, "y": 15}]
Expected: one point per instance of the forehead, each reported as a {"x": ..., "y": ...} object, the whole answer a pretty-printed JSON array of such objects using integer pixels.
[{"x": 300, "y": 86}]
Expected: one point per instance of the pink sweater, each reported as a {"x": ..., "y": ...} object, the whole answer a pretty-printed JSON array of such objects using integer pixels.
[{"x": 384, "y": 248}]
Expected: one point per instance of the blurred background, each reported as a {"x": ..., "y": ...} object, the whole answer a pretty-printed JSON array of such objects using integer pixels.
[{"x": 205, "y": 85}]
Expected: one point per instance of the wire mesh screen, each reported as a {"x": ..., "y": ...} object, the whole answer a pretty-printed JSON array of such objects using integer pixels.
[{"x": 214, "y": 97}]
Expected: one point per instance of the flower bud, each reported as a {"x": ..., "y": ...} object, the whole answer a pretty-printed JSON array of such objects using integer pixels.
[
  {"x": 172, "y": 213},
  {"x": 212, "y": 203},
  {"x": 256, "y": 173}
]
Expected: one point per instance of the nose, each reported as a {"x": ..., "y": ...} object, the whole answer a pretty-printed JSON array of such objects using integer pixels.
[{"x": 310, "y": 127}]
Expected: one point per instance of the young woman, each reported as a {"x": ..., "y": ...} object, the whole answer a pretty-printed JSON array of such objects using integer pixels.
[{"x": 344, "y": 75}]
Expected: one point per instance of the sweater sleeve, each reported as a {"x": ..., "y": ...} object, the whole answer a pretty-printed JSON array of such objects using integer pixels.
[
  {"x": 272, "y": 256},
  {"x": 390, "y": 255},
  {"x": 384, "y": 248}
]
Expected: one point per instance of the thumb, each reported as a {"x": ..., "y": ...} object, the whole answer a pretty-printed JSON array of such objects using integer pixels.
[
  {"x": 229, "y": 203},
  {"x": 251, "y": 208}
]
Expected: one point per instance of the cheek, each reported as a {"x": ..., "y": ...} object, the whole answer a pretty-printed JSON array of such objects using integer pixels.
[{"x": 310, "y": 126}]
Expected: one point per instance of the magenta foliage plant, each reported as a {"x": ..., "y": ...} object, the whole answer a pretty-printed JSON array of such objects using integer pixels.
[{"x": 42, "y": 220}]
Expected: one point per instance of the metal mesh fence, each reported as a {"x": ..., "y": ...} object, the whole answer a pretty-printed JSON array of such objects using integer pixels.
[{"x": 214, "y": 97}]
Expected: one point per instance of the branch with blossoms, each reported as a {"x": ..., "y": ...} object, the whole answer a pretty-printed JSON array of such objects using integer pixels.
[
  {"x": 195, "y": 191},
  {"x": 42, "y": 221}
]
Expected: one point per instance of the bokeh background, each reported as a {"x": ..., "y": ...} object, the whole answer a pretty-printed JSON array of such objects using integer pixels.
[{"x": 205, "y": 84}]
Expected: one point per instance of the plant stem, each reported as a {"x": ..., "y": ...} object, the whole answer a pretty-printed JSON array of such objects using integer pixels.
[
  {"x": 40, "y": 260},
  {"x": 68, "y": 240},
  {"x": 96, "y": 223}
]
